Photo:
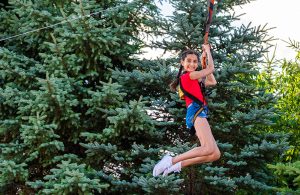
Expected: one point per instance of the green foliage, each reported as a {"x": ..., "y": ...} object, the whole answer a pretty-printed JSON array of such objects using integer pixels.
[
  {"x": 12, "y": 172},
  {"x": 69, "y": 178},
  {"x": 240, "y": 112},
  {"x": 80, "y": 113},
  {"x": 288, "y": 177},
  {"x": 282, "y": 78},
  {"x": 62, "y": 114},
  {"x": 288, "y": 104},
  {"x": 160, "y": 185}
]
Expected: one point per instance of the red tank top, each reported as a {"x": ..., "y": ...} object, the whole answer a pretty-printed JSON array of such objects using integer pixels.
[{"x": 191, "y": 86}]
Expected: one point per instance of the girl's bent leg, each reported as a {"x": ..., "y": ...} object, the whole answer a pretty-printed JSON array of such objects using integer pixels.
[
  {"x": 208, "y": 146},
  {"x": 202, "y": 159}
]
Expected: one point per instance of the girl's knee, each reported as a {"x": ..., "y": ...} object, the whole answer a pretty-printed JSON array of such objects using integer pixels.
[
  {"x": 207, "y": 150},
  {"x": 216, "y": 155},
  {"x": 213, "y": 153}
]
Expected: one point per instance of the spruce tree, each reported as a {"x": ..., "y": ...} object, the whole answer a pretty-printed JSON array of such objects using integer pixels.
[
  {"x": 68, "y": 123},
  {"x": 82, "y": 114},
  {"x": 240, "y": 111}
]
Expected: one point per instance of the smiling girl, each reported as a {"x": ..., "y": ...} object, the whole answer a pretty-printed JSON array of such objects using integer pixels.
[{"x": 196, "y": 117}]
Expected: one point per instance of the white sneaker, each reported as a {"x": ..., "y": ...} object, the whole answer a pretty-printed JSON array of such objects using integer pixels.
[
  {"x": 162, "y": 165},
  {"x": 175, "y": 168}
]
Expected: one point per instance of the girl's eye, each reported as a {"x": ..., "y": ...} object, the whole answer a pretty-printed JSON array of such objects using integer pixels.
[{"x": 189, "y": 61}]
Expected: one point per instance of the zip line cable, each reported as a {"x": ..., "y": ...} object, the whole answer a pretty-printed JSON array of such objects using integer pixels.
[
  {"x": 62, "y": 22},
  {"x": 50, "y": 26}
]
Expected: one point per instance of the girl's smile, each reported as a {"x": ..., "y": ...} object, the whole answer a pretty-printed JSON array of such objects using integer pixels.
[{"x": 190, "y": 63}]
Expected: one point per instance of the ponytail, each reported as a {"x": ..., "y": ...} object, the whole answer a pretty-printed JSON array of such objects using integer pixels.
[{"x": 175, "y": 83}]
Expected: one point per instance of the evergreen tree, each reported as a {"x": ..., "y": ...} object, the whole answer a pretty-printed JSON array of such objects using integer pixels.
[
  {"x": 80, "y": 113},
  {"x": 240, "y": 111},
  {"x": 4, "y": 3},
  {"x": 67, "y": 124}
]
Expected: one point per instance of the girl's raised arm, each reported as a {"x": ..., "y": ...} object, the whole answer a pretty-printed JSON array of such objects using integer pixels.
[{"x": 208, "y": 70}]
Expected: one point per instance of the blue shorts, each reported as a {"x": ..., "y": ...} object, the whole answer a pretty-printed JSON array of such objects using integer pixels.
[{"x": 191, "y": 111}]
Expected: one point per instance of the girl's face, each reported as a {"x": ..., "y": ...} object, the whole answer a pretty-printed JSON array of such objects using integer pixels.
[{"x": 190, "y": 63}]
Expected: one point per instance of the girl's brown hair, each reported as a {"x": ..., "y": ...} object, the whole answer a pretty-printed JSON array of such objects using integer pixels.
[{"x": 175, "y": 83}]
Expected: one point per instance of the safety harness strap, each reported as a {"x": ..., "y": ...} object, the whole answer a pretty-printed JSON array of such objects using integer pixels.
[
  {"x": 190, "y": 95},
  {"x": 199, "y": 102},
  {"x": 197, "y": 113}
]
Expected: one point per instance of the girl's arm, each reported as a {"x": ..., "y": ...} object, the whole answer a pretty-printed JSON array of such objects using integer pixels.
[
  {"x": 202, "y": 73},
  {"x": 210, "y": 80},
  {"x": 208, "y": 70}
]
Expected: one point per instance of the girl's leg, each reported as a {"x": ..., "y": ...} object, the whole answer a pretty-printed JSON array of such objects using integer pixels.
[
  {"x": 202, "y": 159},
  {"x": 207, "y": 152}
]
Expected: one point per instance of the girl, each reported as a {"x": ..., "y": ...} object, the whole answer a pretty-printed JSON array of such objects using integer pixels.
[{"x": 208, "y": 151}]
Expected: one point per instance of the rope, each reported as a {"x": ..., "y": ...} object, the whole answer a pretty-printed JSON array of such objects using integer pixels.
[
  {"x": 208, "y": 22},
  {"x": 62, "y": 22},
  {"x": 209, "y": 19}
]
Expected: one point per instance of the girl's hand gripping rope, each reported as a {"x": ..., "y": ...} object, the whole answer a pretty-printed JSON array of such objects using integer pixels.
[{"x": 205, "y": 49}]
